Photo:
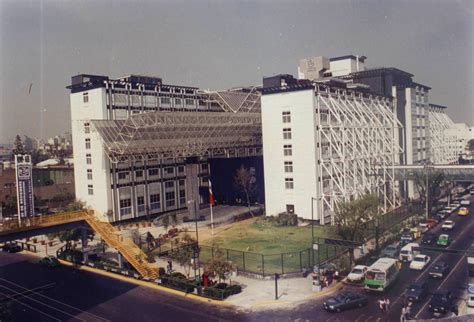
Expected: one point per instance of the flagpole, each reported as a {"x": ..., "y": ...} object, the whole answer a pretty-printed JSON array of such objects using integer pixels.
[{"x": 212, "y": 201}]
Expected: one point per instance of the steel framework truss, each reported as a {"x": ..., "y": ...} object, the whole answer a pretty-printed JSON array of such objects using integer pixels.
[
  {"x": 236, "y": 100},
  {"x": 358, "y": 146},
  {"x": 169, "y": 135},
  {"x": 443, "y": 144}
]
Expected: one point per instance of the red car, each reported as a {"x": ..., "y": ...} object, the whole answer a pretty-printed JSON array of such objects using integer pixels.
[{"x": 432, "y": 223}]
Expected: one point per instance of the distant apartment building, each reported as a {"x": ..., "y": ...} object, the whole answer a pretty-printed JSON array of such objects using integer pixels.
[
  {"x": 324, "y": 143},
  {"x": 444, "y": 140},
  {"x": 132, "y": 188}
]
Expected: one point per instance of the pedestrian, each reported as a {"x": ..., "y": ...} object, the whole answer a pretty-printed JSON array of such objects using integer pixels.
[
  {"x": 387, "y": 304},
  {"x": 408, "y": 312},
  {"x": 403, "y": 315},
  {"x": 382, "y": 305},
  {"x": 336, "y": 275}
]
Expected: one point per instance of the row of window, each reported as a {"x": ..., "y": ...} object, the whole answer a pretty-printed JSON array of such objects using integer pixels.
[
  {"x": 155, "y": 202},
  {"x": 122, "y": 175}
]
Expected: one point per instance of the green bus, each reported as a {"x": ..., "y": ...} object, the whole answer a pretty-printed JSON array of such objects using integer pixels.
[{"x": 381, "y": 274}]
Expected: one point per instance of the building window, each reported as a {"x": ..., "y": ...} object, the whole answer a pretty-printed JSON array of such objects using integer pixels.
[
  {"x": 88, "y": 144},
  {"x": 177, "y": 101},
  {"x": 169, "y": 184},
  {"x": 287, "y": 150},
  {"x": 125, "y": 207},
  {"x": 90, "y": 189},
  {"x": 165, "y": 100},
  {"x": 87, "y": 128},
  {"x": 88, "y": 159},
  {"x": 287, "y": 134},
  {"x": 181, "y": 169},
  {"x": 286, "y": 117},
  {"x": 288, "y": 166},
  {"x": 153, "y": 172},
  {"x": 181, "y": 183},
  {"x": 85, "y": 97},
  {"x": 290, "y": 209},
  {"x": 141, "y": 203},
  {"x": 169, "y": 170},
  {"x": 182, "y": 197},
  {"x": 139, "y": 174},
  {"x": 204, "y": 167},
  {"x": 189, "y": 102},
  {"x": 289, "y": 183},
  {"x": 122, "y": 175},
  {"x": 89, "y": 174},
  {"x": 155, "y": 201},
  {"x": 170, "y": 199}
]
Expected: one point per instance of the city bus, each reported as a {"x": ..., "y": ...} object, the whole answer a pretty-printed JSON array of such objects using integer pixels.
[{"x": 381, "y": 274}]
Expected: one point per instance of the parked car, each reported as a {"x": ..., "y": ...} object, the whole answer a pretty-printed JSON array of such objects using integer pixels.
[
  {"x": 424, "y": 227},
  {"x": 471, "y": 191},
  {"x": 12, "y": 248},
  {"x": 465, "y": 202},
  {"x": 50, "y": 261},
  {"x": 443, "y": 240},
  {"x": 345, "y": 301},
  {"x": 439, "y": 270},
  {"x": 452, "y": 208},
  {"x": 429, "y": 239},
  {"x": 443, "y": 214},
  {"x": 416, "y": 232},
  {"x": 357, "y": 274},
  {"x": 406, "y": 238},
  {"x": 416, "y": 291},
  {"x": 390, "y": 251},
  {"x": 463, "y": 211},
  {"x": 432, "y": 223},
  {"x": 448, "y": 225},
  {"x": 442, "y": 303},
  {"x": 419, "y": 262}
]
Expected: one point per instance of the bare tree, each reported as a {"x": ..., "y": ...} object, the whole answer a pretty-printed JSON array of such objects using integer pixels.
[{"x": 245, "y": 182}]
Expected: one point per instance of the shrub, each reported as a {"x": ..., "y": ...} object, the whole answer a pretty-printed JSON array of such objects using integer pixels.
[
  {"x": 161, "y": 271},
  {"x": 178, "y": 281}
]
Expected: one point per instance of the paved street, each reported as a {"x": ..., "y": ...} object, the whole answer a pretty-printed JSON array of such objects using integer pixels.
[{"x": 85, "y": 296}]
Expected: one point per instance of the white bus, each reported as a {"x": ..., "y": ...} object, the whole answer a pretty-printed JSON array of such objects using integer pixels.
[{"x": 381, "y": 274}]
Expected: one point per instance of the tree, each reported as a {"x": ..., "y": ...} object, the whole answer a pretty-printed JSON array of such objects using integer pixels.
[
  {"x": 219, "y": 266},
  {"x": 72, "y": 206},
  {"x": 244, "y": 181},
  {"x": 165, "y": 222},
  {"x": 71, "y": 235},
  {"x": 183, "y": 256},
  {"x": 28, "y": 144},
  {"x": 350, "y": 218},
  {"x": 18, "y": 147},
  {"x": 470, "y": 145},
  {"x": 436, "y": 180},
  {"x": 149, "y": 240}
]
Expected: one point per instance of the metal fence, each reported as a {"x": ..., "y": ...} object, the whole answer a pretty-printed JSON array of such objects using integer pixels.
[{"x": 269, "y": 264}]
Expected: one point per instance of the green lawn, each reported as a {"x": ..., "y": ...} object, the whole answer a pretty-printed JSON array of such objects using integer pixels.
[
  {"x": 258, "y": 235},
  {"x": 257, "y": 245}
]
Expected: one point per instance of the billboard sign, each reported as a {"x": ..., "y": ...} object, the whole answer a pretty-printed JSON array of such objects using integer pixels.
[{"x": 24, "y": 186}]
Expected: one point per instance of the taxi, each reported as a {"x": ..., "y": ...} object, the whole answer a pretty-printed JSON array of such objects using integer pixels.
[{"x": 463, "y": 211}]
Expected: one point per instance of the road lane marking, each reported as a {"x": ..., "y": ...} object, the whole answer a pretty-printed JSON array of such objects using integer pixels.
[
  {"x": 54, "y": 300},
  {"x": 460, "y": 260},
  {"x": 33, "y": 308},
  {"x": 359, "y": 317}
]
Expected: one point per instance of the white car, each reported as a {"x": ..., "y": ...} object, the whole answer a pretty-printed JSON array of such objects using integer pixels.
[
  {"x": 357, "y": 274},
  {"x": 420, "y": 261},
  {"x": 448, "y": 225}
]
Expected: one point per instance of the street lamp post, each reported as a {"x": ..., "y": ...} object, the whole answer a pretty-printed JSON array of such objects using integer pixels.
[
  {"x": 427, "y": 210},
  {"x": 312, "y": 240},
  {"x": 197, "y": 238}
]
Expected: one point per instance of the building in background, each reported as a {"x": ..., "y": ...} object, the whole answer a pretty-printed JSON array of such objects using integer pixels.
[
  {"x": 444, "y": 142},
  {"x": 324, "y": 143}
]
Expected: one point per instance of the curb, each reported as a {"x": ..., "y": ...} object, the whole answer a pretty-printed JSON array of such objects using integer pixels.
[
  {"x": 325, "y": 292},
  {"x": 146, "y": 284},
  {"x": 270, "y": 302}
]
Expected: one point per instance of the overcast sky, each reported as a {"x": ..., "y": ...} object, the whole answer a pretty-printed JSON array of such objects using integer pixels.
[{"x": 220, "y": 44}]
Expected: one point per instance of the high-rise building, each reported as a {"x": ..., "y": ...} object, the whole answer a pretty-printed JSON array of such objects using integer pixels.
[{"x": 324, "y": 143}]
